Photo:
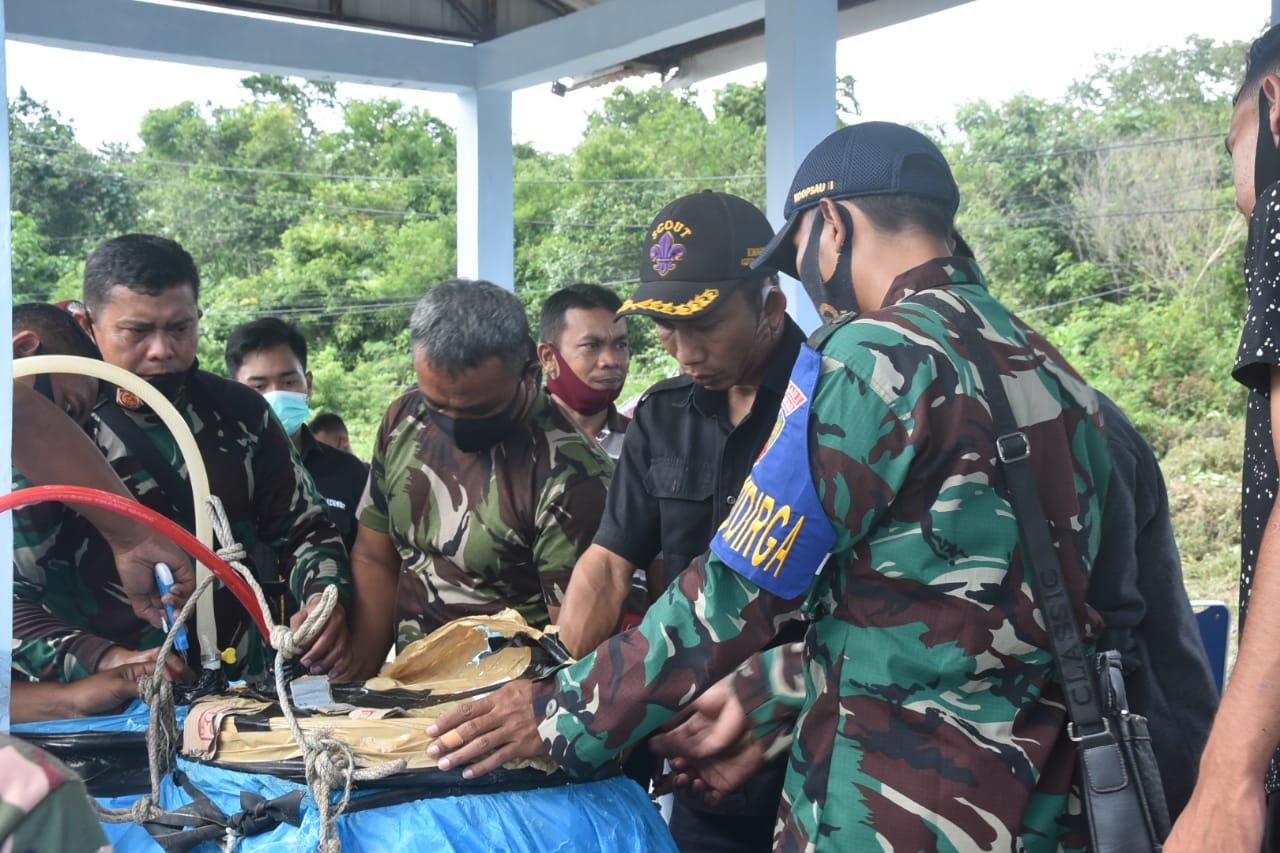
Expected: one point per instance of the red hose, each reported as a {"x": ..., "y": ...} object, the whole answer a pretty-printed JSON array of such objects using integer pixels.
[{"x": 152, "y": 519}]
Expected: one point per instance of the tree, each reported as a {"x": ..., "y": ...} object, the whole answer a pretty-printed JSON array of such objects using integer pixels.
[
  {"x": 36, "y": 273},
  {"x": 73, "y": 197},
  {"x": 229, "y": 185},
  {"x": 1013, "y": 164}
]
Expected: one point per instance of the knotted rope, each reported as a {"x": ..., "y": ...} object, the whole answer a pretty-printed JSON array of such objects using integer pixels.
[
  {"x": 329, "y": 762},
  {"x": 162, "y": 725}
]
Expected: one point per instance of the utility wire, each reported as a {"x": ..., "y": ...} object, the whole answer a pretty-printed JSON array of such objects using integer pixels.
[
  {"x": 245, "y": 170},
  {"x": 1029, "y": 155},
  {"x": 261, "y": 197}
]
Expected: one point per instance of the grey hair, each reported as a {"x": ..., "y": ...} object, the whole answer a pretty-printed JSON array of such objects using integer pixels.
[{"x": 460, "y": 324}]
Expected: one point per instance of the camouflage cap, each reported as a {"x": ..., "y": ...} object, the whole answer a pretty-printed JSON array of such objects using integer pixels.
[{"x": 698, "y": 249}]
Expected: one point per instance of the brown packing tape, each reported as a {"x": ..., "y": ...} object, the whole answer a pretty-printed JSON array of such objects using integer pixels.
[
  {"x": 373, "y": 741},
  {"x": 449, "y": 660},
  {"x": 453, "y": 660},
  {"x": 200, "y": 733}
]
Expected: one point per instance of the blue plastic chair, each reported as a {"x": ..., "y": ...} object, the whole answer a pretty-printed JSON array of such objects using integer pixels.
[{"x": 1214, "y": 620}]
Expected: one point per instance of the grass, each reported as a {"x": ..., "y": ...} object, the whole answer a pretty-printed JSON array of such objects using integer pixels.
[{"x": 1202, "y": 471}]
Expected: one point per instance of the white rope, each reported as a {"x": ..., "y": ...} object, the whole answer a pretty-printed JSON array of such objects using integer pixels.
[
  {"x": 162, "y": 724},
  {"x": 329, "y": 762}
]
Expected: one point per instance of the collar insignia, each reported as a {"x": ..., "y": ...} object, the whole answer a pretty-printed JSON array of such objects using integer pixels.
[{"x": 128, "y": 400}]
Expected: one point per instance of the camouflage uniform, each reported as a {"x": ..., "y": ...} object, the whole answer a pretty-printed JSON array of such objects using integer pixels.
[
  {"x": 43, "y": 805},
  {"x": 929, "y": 718},
  {"x": 477, "y": 532},
  {"x": 69, "y": 607}
]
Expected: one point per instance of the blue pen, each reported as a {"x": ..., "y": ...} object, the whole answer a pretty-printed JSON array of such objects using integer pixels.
[{"x": 164, "y": 580}]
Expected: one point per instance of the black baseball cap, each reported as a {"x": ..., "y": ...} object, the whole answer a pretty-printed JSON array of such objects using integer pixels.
[
  {"x": 698, "y": 249},
  {"x": 871, "y": 158}
]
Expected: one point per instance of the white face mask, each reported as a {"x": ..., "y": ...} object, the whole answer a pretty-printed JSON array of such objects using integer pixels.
[{"x": 290, "y": 408}]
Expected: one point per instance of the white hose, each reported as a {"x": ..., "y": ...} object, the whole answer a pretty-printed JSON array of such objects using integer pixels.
[{"x": 170, "y": 417}]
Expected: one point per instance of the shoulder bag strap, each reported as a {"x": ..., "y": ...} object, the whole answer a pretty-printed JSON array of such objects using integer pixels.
[
  {"x": 1014, "y": 453},
  {"x": 172, "y": 485}
]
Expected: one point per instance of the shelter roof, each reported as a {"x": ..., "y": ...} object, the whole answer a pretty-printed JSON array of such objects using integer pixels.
[{"x": 477, "y": 21}]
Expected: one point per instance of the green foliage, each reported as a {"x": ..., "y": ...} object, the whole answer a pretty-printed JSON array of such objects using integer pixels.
[
  {"x": 1152, "y": 93},
  {"x": 641, "y": 151},
  {"x": 36, "y": 273},
  {"x": 361, "y": 392},
  {"x": 1016, "y": 206},
  {"x": 1202, "y": 469},
  {"x": 73, "y": 195}
]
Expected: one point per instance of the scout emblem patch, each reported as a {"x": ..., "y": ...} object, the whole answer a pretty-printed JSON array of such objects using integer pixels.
[
  {"x": 665, "y": 253},
  {"x": 778, "y": 535}
]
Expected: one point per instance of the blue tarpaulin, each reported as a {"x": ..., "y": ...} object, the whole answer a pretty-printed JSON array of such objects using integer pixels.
[
  {"x": 611, "y": 816},
  {"x": 132, "y": 719}
]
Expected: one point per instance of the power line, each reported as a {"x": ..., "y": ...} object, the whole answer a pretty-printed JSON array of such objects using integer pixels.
[
  {"x": 1099, "y": 295},
  {"x": 246, "y": 170},
  {"x": 1062, "y": 152},
  {"x": 550, "y": 223},
  {"x": 1033, "y": 218},
  {"x": 257, "y": 197},
  {"x": 695, "y": 179},
  {"x": 1028, "y": 155}
]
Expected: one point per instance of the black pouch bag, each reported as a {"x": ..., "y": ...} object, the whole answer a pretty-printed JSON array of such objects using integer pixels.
[{"x": 1119, "y": 780}]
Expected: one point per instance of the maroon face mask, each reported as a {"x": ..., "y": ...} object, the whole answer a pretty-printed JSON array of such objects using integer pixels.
[{"x": 578, "y": 395}]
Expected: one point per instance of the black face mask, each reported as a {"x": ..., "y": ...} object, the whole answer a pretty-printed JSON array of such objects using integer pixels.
[
  {"x": 835, "y": 295},
  {"x": 1266, "y": 158},
  {"x": 43, "y": 382},
  {"x": 472, "y": 435},
  {"x": 169, "y": 384}
]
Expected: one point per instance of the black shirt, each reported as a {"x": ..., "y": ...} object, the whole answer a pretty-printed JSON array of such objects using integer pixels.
[
  {"x": 1258, "y": 356},
  {"x": 340, "y": 478},
  {"x": 683, "y": 464}
]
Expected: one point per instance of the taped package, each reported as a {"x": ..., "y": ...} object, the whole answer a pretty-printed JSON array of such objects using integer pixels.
[{"x": 385, "y": 718}]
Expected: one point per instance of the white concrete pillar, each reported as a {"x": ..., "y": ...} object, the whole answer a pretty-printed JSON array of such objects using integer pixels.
[
  {"x": 6, "y": 394},
  {"x": 486, "y": 223},
  {"x": 800, "y": 106}
]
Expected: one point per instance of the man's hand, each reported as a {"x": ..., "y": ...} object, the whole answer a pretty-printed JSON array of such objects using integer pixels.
[
  {"x": 489, "y": 732},
  {"x": 330, "y": 650},
  {"x": 712, "y": 750},
  {"x": 175, "y": 668},
  {"x": 136, "y": 560},
  {"x": 1229, "y": 817},
  {"x": 106, "y": 690},
  {"x": 101, "y": 693}
]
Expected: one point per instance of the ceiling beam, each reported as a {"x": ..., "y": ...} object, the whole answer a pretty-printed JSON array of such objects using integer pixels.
[
  {"x": 558, "y": 8},
  {"x": 601, "y": 36},
  {"x": 477, "y": 27},
  {"x": 252, "y": 43}
]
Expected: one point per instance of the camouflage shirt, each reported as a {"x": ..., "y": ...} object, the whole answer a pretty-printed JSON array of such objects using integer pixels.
[
  {"x": 477, "y": 532},
  {"x": 43, "y": 805},
  {"x": 929, "y": 718},
  {"x": 69, "y": 607}
]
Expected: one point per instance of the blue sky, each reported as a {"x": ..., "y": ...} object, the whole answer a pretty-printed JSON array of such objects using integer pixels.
[{"x": 917, "y": 71}]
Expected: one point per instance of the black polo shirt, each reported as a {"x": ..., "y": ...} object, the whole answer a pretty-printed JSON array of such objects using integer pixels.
[
  {"x": 340, "y": 478},
  {"x": 683, "y": 464}
]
